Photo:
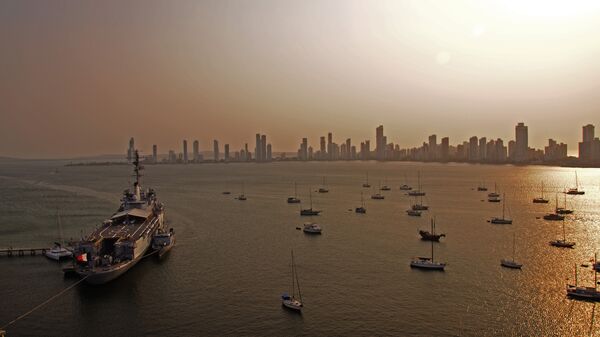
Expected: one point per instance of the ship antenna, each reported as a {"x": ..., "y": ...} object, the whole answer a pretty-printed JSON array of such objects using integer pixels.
[{"x": 137, "y": 168}]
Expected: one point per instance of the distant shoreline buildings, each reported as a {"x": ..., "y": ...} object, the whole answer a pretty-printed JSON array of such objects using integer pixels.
[{"x": 474, "y": 150}]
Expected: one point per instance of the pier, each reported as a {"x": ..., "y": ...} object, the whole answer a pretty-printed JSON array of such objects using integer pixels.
[{"x": 22, "y": 251}]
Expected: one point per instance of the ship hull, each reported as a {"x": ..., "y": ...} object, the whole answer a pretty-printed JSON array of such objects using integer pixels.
[{"x": 97, "y": 277}]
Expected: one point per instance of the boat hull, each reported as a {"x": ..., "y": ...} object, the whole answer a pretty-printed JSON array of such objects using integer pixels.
[
  {"x": 428, "y": 266},
  {"x": 510, "y": 264}
]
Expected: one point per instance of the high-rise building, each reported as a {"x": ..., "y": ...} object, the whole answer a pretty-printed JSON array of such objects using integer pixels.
[
  {"x": 588, "y": 133},
  {"x": 482, "y": 148},
  {"x": 257, "y": 149},
  {"x": 303, "y": 153},
  {"x": 196, "y": 151},
  {"x": 216, "y": 150},
  {"x": 263, "y": 149},
  {"x": 269, "y": 152},
  {"x": 432, "y": 150},
  {"x": 380, "y": 143},
  {"x": 172, "y": 157},
  {"x": 348, "y": 155},
  {"x": 521, "y": 143},
  {"x": 330, "y": 146},
  {"x": 473, "y": 149},
  {"x": 246, "y": 153},
  {"x": 323, "y": 149},
  {"x": 226, "y": 152},
  {"x": 555, "y": 151},
  {"x": 501, "y": 150},
  {"x": 185, "y": 152},
  {"x": 586, "y": 146},
  {"x": 131, "y": 150},
  {"x": 445, "y": 148}
]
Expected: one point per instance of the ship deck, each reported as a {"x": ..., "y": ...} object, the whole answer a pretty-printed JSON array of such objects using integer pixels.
[{"x": 126, "y": 224}]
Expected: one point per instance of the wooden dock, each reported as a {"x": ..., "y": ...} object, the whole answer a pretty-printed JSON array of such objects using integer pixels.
[{"x": 22, "y": 252}]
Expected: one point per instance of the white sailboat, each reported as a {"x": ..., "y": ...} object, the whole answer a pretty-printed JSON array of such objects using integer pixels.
[
  {"x": 584, "y": 293},
  {"x": 541, "y": 200},
  {"x": 59, "y": 251},
  {"x": 562, "y": 243},
  {"x": 503, "y": 220},
  {"x": 294, "y": 199},
  {"x": 417, "y": 192},
  {"x": 427, "y": 262},
  {"x": 554, "y": 216},
  {"x": 575, "y": 190},
  {"x": 511, "y": 263},
  {"x": 323, "y": 189},
  {"x": 366, "y": 183},
  {"x": 291, "y": 301},
  {"x": 361, "y": 209},
  {"x": 309, "y": 211}
]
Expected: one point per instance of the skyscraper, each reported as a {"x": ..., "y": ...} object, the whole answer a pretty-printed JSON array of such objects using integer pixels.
[
  {"x": 304, "y": 149},
  {"x": 482, "y": 148},
  {"x": 473, "y": 149},
  {"x": 323, "y": 149},
  {"x": 263, "y": 148},
  {"x": 588, "y": 133},
  {"x": 154, "y": 154},
  {"x": 216, "y": 150},
  {"x": 226, "y": 150},
  {"x": 379, "y": 143},
  {"x": 586, "y": 145},
  {"x": 131, "y": 150},
  {"x": 257, "y": 149},
  {"x": 445, "y": 148},
  {"x": 185, "y": 152},
  {"x": 521, "y": 143},
  {"x": 269, "y": 152},
  {"x": 348, "y": 155},
  {"x": 196, "y": 150},
  {"x": 330, "y": 146},
  {"x": 433, "y": 147}
]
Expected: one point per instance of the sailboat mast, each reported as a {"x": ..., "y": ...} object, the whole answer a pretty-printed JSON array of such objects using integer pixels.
[
  {"x": 295, "y": 190},
  {"x": 293, "y": 282},
  {"x": 563, "y": 225},
  {"x": 296, "y": 276},
  {"x": 62, "y": 241},
  {"x": 595, "y": 273},
  {"x": 542, "y": 189},
  {"x": 432, "y": 251},
  {"x": 503, "y": 204},
  {"x": 513, "y": 256}
]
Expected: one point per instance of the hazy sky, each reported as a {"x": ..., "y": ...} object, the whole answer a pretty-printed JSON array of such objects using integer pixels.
[{"x": 81, "y": 77}]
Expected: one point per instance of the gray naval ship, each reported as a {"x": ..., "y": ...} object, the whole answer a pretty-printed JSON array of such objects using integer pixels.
[{"x": 121, "y": 242}]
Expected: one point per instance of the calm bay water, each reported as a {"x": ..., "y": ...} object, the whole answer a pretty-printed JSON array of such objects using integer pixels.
[{"x": 232, "y": 260}]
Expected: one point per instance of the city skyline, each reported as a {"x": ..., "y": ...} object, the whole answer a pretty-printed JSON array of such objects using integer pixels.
[
  {"x": 474, "y": 149},
  {"x": 217, "y": 70}
]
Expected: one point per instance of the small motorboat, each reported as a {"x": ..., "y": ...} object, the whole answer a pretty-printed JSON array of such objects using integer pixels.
[
  {"x": 405, "y": 188},
  {"x": 163, "y": 242},
  {"x": 312, "y": 228}
]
